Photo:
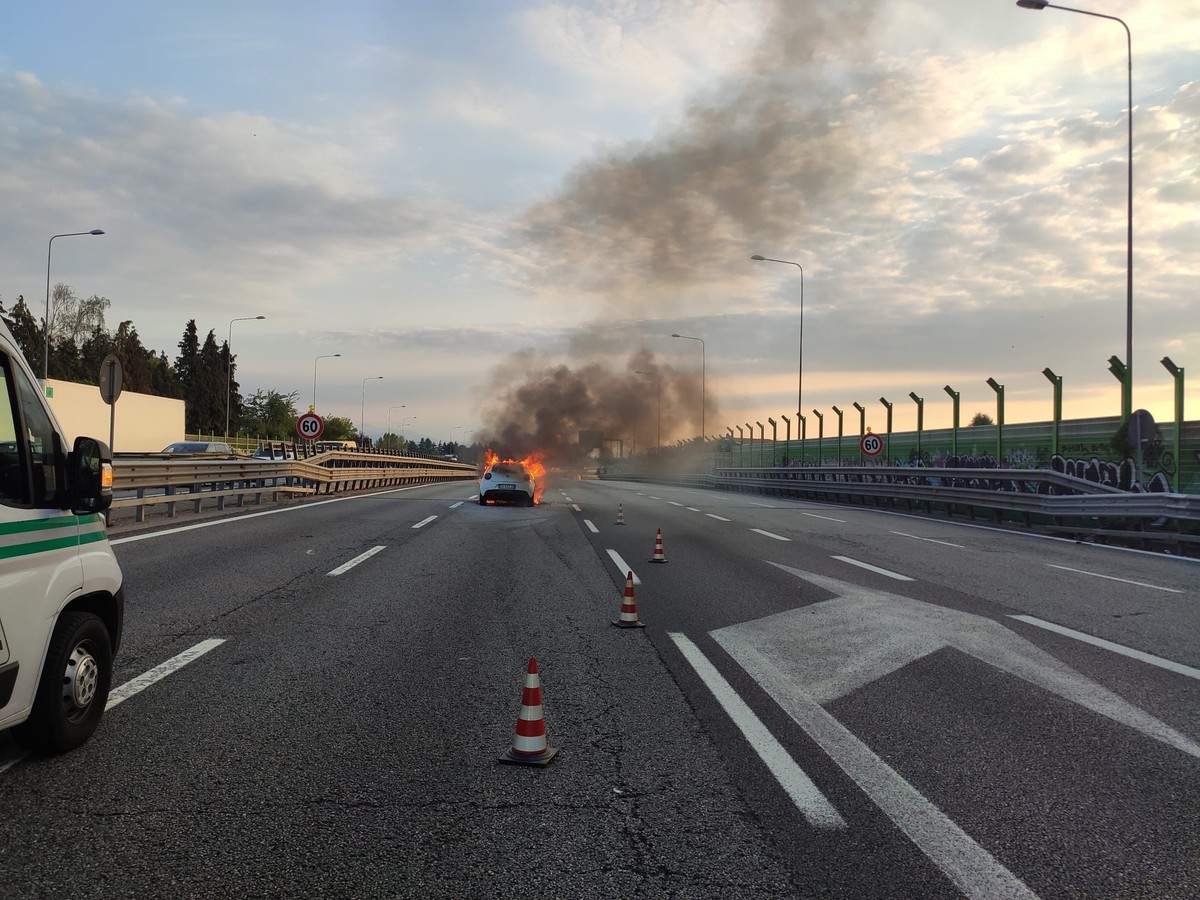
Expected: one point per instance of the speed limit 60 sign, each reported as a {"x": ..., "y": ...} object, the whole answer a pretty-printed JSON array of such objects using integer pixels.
[
  {"x": 310, "y": 426},
  {"x": 871, "y": 444}
]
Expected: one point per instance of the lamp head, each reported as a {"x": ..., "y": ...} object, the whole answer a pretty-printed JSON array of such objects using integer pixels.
[
  {"x": 994, "y": 386},
  {"x": 758, "y": 258},
  {"x": 96, "y": 231},
  {"x": 915, "y": 398},
  {"x": 1171, "y": 367},
  {"x": 1032, "y": 4}
]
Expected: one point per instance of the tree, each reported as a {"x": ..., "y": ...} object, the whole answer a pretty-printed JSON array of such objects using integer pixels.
[
  {"x": 73, "y": 318},
  {"x": 981, "y": 418},
  {"x": 339, "y": 428},
  {"x": 272, "y": 415},
  {"x": 26, "y": 332}
]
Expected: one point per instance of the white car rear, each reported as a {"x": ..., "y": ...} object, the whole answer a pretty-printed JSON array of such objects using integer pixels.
[{"x": 507, "y": 482}]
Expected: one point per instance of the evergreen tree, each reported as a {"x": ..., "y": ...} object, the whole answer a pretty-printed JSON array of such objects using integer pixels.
[{"x": 27, "y": 333}]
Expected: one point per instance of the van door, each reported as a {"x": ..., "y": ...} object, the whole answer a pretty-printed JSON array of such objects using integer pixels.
[{"x": 40, "y": 570}]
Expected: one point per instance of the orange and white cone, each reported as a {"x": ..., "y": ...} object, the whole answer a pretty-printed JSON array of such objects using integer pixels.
[
  {"x": 529, "y": 742},
  {"x": 620, "y": 514},
  {"x": 629, "y": 614},
  {"x": 659, "y": 556}
]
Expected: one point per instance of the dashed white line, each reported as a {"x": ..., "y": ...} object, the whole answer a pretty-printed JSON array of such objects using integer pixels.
[
  {"x": 1114, "y": 578},
  {"x": 917, "y": 537},
  {"x": 673, "y": 503},
  {"x": 592, "y": 528},
  {"x": 692, "y": 509},
  {"x": 347, "y": 566},
  {"x": 871, "y": 568},
  {"x": 778, "y": 537},
  {"x": 656, "y": 498},
  {"x": 623, "y": 566},
  {"x": 458, "y": 504},
  {"x": 763, "y": 505},
  {"x": 1170, "y": 665},
  {"x": 575, "y": 506},
  {"x": 161, "y": 671},
  {"x": 424, "y": 521},
  {"x": 826, "y": 518},
  {"x": 718, "y": 518},
  {"x": 808, "y": 798}
]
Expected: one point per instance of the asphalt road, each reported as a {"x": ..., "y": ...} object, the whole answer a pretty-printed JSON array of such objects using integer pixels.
[{"x": 824, "y": 702}]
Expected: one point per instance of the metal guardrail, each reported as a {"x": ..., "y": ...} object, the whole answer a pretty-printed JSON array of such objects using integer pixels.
[
  {"x": 160, "y": 479},
  {"x": 1037, "y": 497}
]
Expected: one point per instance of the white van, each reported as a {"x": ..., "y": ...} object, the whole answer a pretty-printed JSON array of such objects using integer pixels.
[{"x": 61, "y": 602}]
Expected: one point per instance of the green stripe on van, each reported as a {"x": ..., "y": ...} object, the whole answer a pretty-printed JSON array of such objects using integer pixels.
[
  {"x": 39, "y": 524},
  {"x": 38, "y": 547}
]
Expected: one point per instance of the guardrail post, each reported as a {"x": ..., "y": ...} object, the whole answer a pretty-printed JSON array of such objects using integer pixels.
[
  {"x": 999, "y": 389},
  {"x": 1055, "y": 380},
  {"x": 862, "y": 429},
  {"x": 888, "y": 448},
  {"x": 954, "y": 395},
  {"x": 839, "y": 443},
  {"x": 820, "y": 436},
  {"x": 1177, "y": 372}
]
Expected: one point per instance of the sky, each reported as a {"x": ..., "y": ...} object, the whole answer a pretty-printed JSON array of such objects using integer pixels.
[{"x": 506, "y": 209}]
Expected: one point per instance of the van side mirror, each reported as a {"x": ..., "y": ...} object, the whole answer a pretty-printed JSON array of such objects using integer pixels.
[{"x": 89, "y": 476}]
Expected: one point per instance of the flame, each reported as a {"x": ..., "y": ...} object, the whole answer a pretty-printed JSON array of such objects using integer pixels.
[{"x": 532, "y": 462}]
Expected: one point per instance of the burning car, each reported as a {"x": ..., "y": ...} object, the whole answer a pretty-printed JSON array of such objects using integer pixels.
[{"x": 511, "y": 480}]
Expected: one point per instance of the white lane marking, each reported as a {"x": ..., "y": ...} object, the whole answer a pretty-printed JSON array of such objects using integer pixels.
[
  {"x": 656, "y": 498},
  {"x": 212, "y": 523},
  {"x": 424, "y": 521},
  {"x": 623, "y": 566},
  {"x": 808, "y": 798},
  {"x": 673, "y": 503},
  {"x": 347, "y": 566},
  {"x": 592, "y": 528},
  {"x": 971, "y": 868},
  {"x": 458, "y": 504},
  {"x": 1179, "y": 668},
  {"x": 763, "y": 505},
  {"x": 778, "y": 537},
  {"x": 917, "y": 537},
  {"x": 1114, "y": 578},
  {"x": 871, "y": 568},
  {"x": 134, "y": 686},
  {"x": 474, "y": 496},
  {"x": 692, "y": 509},
  {"x": 826, "y": 518},
  {"x": 161, "y": 671},
  {"x": 575, "y": 506},
  {"x": 718, "y": 518}
]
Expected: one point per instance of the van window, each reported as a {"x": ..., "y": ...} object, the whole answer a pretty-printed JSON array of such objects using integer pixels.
[{"x": 29, "y": 450}]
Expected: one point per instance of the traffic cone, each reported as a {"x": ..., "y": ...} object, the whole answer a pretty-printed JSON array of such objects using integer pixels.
[
  {"x": 620, "y": 514},
  {"x": 529, "y": 742},
  {"x": 629, "y": 615},
  {"x": 659, "y": 556}
]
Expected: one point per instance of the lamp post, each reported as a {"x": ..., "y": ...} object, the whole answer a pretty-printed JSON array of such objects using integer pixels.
[
  {"x": 362, "y": 414},
  {"x": 800, "y": 378},
  {"x": 658, "y": 393},
  {"x": 702, "y": 375},
  {"x": 229, "y": 366},
  {"x": 403, "y": 422},
  {"x": 1127, "y": 398},
  {"x": 49, "y": 246},
  {"x": 390, "y": 408},
  {"x": 325, "y": 356}
]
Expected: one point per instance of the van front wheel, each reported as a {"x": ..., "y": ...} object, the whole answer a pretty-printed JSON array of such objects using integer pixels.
[{"x": 74, "y": 686}]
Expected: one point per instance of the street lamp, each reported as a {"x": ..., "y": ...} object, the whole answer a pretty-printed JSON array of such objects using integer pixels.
[
  {"x": 1127, "y": 405},
  {"x": 404, "y": 420},
  {"x": 46, "y": 357},
  {"x": 658, "y": 392},
  {"x": 800, "y": 379},
  {"x": 325, "y": 356},
  {"x": 229, "y": 366},
  {"x": 702, "y": 376},
  {"x": 363, "y": 411},
  {"x": 389, "y": 425}
]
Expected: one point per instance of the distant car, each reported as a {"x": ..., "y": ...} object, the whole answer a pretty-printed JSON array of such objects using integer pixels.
[
  {"x": 190, "y": 447},
  {"x": 508, "y": 482},
  {"x": 269, "y": 454}
]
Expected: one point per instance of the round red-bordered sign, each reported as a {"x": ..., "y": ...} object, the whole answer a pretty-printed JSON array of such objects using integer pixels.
[
  {"x": 871, "y": 444},
  {"x": 310, "y": 426}
]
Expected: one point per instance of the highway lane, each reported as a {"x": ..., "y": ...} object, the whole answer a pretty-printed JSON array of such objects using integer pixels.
[
  {"x": 1120, "y": 766},
  {"x": 342, "y": 738}
]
